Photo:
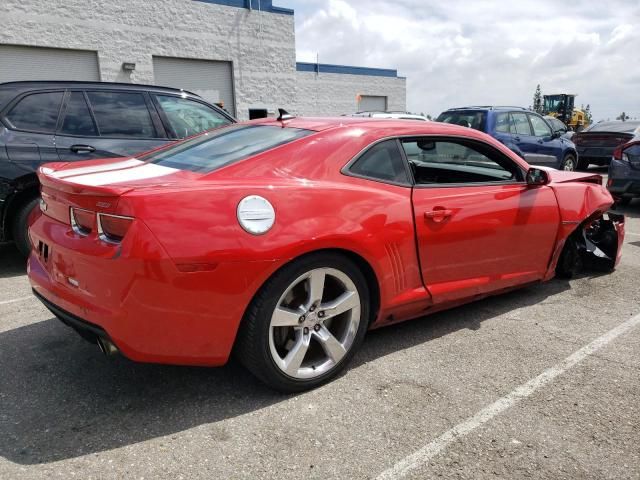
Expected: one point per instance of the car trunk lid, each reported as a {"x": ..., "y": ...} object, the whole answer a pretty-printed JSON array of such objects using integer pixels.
[{"x": 97, "y": 186}]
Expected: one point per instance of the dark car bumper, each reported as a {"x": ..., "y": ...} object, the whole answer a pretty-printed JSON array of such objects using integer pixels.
[
  {"x": 595, "y": 155},
  {"x": 624, "y": 180}
]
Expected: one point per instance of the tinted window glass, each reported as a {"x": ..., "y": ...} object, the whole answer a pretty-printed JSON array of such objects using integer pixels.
[
  {"x": 540, "y": 127},
  {"x": 521, "y": 124},
  {"x": 77, "y": 118},
  {"x": 383, "y": 161},
  {"x": 614, "y": 127},
  {"x": 503, "y": 123},
  {"x": 37, "y": 112},
  {"x": 436, "y": 162},
  {"x": 122, "y": 114},
  {"x": 221, "y": 147},
  {"x": 466, "y": 118},
  {"x": 188, "y": 117}
]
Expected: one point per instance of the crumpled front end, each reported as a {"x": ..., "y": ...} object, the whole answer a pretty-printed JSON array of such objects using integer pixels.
[{"x": 601, "y": 242}]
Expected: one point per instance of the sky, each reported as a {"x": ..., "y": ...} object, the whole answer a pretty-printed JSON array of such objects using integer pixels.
[{"x": 457, "y": 53}]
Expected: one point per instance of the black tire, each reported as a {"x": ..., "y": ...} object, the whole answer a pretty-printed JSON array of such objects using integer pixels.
[
  {"x": 252, "y": 343},
  {"x": 20, "y": 226},
  {"x": 569, "y": 163},
  {"x": 570, "y": 261},
  {"x": 583, "y": 164}
]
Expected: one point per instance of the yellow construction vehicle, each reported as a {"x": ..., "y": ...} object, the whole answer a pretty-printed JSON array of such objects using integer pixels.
[{"x": 561, "y": 106}]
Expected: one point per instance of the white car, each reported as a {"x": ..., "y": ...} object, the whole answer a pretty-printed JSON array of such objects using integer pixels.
[{"x": 398, "y": 115}]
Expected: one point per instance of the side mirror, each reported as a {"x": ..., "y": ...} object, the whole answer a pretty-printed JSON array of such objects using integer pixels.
[
  {"x": 537, "y": 176},
  {"x": 556, "y": 134}
]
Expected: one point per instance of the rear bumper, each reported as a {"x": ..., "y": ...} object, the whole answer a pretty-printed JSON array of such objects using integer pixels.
[
  {"x": 90, "y": 332},
  {"x": 134, "y": 295}
]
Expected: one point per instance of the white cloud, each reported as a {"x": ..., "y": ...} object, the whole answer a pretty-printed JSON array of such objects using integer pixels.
[{"x": 459, "y": 52}]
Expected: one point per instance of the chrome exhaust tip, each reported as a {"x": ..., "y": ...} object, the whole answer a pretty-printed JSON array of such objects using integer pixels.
[{"x": 107, "y": 347}]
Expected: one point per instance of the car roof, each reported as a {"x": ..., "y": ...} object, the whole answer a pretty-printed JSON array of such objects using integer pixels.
[
  {"x": 45, "y": 84},
  {"x": 615, "y": 126},
  {"x": 369, "y": 123},
  {"x": 490, "y": 107}
]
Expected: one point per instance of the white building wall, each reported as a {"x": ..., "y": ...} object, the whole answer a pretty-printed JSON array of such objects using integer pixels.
[
  {"x": 261, "y": 45},
  {"x": 336, "y": 93}
]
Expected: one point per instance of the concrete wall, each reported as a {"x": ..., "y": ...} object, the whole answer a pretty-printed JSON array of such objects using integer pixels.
[
  {"x": 335, "y": 93},
  {"x": 261, "y": 46}
]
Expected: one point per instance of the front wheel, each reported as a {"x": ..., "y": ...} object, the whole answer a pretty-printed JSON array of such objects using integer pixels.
[
  {"x": 306, "y": 323},
  {"x": 569, "y": 163}
]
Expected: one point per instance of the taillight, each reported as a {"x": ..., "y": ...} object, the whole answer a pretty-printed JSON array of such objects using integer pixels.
[
  {"x": 81, "y": 220},
  {"x": 113, "y": 228},
  {"x": 617, "y": 153}
]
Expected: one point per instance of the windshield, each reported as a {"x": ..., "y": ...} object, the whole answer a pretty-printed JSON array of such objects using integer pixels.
[
  {"x": 467, "y": 118},
  {"x": 212, "y": 150}
]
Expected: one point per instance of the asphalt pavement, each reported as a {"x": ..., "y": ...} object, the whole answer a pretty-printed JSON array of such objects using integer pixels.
[{"x": 539, "y": 383}]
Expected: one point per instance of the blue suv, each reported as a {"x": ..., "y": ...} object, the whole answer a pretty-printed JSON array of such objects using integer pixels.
[{"x": 523, "y": 131}]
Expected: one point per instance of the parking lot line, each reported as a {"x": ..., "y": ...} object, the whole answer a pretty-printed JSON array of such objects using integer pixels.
[
  {"x": 632, "y": 233},
  {"x": 422, "y": 456},
  {"x": 16, "y": 300}
]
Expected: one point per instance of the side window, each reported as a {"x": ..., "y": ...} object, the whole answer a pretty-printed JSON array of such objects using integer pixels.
[
  {"x": 383, "y": 161},
  {"x": 77, "y": 118},
  {"x": 540, "y": 127},
  {"x": 521, "y": 124},
  {"x": 122, "y": 114},
  {"x": 503, "y": 123},
  {"x": 436, "y": 162},
  {"x": 37, "y": 112},
  {"x": 188, "y": 117}
]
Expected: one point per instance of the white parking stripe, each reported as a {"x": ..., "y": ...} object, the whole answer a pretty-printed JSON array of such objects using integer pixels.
[
  {"x": 421, "y": 457},
  {"x": 15, "y": 300},
  {"x": 631, "y": 233}
]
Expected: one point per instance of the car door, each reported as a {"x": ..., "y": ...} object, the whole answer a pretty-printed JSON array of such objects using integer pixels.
[
  {"x": 479, "y": 226},
  {"x": 31, "y": 122},
  {"x": 108, "y": 123},
  {"x": 548, "y": 148},
  {"x": 184, "y": 117},
  {"x": 523, "y": 138}
]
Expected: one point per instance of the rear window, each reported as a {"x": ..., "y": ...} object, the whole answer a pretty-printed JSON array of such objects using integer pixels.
[
  {"x": 218, "y": 148},
  {"x": 467, "y": 118},
  {"x": 617, "y": 127}
]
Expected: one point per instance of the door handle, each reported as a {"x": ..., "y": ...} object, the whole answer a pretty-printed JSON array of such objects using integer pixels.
[
  {"x": 82, "y": 148},
  {"x": 438, "y": 214},
  {"x": 540, "y": 142},
  {"x": 516, "y": 138}
]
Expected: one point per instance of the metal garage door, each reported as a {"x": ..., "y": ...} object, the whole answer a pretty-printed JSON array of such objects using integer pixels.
[
  {"x": 212, "y": 80},
  {"x": 37, "y": 63},
  {"x": 370, "y": 103}
]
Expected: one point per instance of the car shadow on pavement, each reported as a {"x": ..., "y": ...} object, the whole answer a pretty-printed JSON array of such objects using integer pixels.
[
  {"x": 12, "y": 264},
  {"x": 62, "y": 399}
]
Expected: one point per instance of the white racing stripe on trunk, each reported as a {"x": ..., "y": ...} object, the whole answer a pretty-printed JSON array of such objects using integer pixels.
[
  {"x": 148, "y": 170},
  {"x": 102, "y": 168},
  {"x": 421, "y": 457}
]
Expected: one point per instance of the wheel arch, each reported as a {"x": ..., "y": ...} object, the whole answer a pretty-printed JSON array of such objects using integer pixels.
[
  {"x": 27, "y": 187},
  {"x": 370, "y": 276}
]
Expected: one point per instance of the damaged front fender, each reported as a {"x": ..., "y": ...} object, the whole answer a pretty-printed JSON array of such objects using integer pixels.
[{"x": 596, "y": 245}]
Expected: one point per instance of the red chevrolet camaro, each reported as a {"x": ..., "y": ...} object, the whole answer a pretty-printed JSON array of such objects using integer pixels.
[{"x": 286, "y": 240}]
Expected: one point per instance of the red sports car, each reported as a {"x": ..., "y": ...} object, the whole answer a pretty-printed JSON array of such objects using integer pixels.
[{"x": 285, "y": 240}]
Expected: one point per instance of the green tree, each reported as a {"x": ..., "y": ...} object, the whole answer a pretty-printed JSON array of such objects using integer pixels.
[
  {"x": 623, "y": 116},
  {"x": 587, "y": 113},
  {"x": 537, "y": 100}
]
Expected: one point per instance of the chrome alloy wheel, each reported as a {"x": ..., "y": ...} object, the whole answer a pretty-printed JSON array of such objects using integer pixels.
[
  {"x": 569, "y": 164},
  {"x": 315, "y": 323}
]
